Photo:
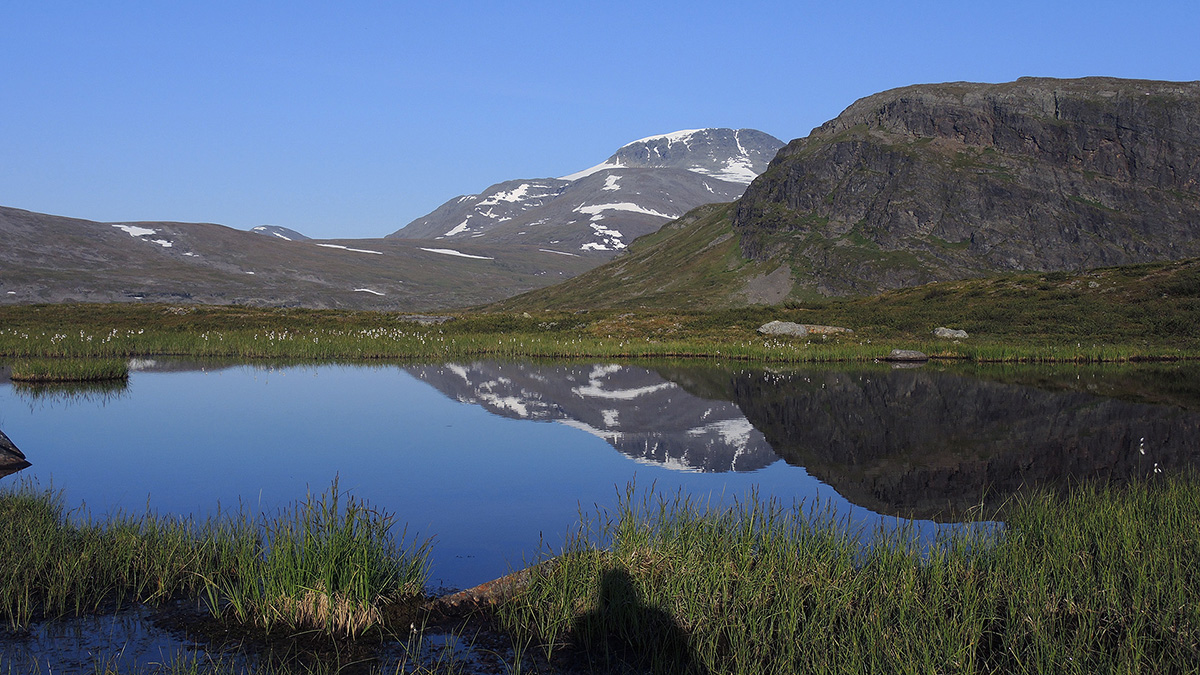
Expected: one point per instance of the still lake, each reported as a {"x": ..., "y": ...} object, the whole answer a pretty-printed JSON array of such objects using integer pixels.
[
  {"x": 496, "y": 460},
  {"x": 490, "y": 458}
]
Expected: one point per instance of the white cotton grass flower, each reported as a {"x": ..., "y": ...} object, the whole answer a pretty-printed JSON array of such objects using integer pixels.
[{"x": 1142, "y": 445}]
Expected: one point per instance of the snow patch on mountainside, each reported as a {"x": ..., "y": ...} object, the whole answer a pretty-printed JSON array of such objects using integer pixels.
[
  {"x": 515, "y": 195},
  {"x": 736, "y": 170},
  {"x": 135, "y": 231},
  {"x": 607, "y": 164},
  {"x": 460, "y": 254},
  {"x": 347, "y": 248},
  {"x": 610, "y": 239},
  {"x": 264, "y": 229},
  {"x": 596, "y": 209},
  {"x": 367, "y": 290},
  {"x": 683, "y": 136},
  {"x": 458, "y": 229},
  {"x": 138, "y": 232}
]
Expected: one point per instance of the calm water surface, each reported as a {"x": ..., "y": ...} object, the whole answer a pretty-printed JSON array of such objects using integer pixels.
[
  {"x": 492, "y": 458},
  {"x": 487, "y": 458}
]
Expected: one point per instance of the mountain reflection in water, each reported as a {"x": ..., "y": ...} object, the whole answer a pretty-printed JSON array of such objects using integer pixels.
[
  {"x": 923, "y": 443},
  {"x": 929, "y": 444},
  {"x": 641, "y": 414}
]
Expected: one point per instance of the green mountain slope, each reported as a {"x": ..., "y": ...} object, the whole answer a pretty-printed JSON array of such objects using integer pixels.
[{"x": 694, "y": 262}]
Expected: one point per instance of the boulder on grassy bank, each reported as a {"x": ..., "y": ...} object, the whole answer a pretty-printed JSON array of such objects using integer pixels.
[
  {"x": 799, "y": 329},
  {"x": 950, "y": 333},
  {"x": 787, "y": 328}
]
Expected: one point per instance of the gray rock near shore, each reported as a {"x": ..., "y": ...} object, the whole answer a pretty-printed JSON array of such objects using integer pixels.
[
  {"x": 950, "y": 333},
  {"x": 787, "y": 328},
  {"x": 11, "y": 459},
  {"x": 909, "y": 355},
  {"x": 8, "y": 451}
]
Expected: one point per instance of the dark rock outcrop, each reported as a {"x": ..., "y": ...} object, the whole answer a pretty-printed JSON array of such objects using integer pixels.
[
  {"x": 11, "y": 459},
  {"x": 956, "y": 180}
]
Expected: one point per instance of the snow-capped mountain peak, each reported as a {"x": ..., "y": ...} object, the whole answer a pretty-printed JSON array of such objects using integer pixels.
[{"x": 643, "y": 185}]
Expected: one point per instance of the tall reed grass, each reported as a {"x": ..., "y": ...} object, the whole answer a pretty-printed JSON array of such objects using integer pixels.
[
  {"x": 69, "y": 370},
  {"x": 331, "y": 563},
  {"x": 1102, "y": 580}
]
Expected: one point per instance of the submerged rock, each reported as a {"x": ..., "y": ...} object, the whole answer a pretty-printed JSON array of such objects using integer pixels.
[{"x": 909, "y": 355}]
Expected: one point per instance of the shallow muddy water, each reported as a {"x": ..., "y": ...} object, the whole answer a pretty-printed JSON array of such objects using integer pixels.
[{"x": 495, "y": 461}]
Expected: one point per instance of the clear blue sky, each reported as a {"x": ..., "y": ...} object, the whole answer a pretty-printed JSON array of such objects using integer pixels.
[{"x": 349, "y": 119}]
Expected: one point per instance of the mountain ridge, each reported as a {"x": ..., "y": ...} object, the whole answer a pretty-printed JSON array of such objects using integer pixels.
[
  {"x": 934, "y": 183},
  {"x": 598, "y": 210}
]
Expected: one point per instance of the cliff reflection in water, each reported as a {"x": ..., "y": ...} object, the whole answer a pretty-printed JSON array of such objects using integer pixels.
[
  {"x": 641, "y": 414},
  {"x": 930, "y": 444},
  {"x": 927, "y": 443}
]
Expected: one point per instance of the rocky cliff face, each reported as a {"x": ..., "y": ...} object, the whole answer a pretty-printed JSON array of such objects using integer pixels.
[{"x": 934, "y": 182}]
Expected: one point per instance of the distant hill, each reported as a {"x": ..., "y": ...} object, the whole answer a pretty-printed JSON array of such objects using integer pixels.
[
  {"x": 45, "y": 258},
  {"x": 598, "y": 211},
  {"x": 935, "y": 182},
  {"x": 284, "y": 233},
  {"x": 514, "y": 237}
]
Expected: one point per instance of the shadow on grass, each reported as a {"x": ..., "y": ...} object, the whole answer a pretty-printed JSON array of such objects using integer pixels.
[{"x": 623, "y": 633}]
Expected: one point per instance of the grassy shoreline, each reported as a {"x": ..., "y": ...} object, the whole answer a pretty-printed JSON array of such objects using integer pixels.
[
  {"x": 1103, "y": 579},
  {"x": 329, "y": 564},
  {"x": 126, "y": 331}
]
